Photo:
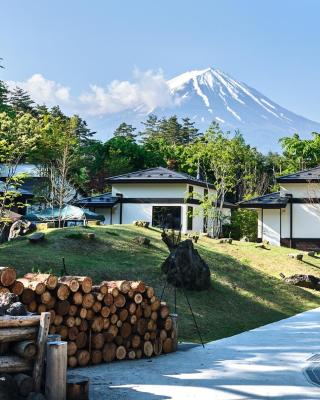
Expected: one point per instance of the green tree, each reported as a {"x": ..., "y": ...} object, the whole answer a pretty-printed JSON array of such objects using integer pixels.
[
  {"x": 21, "y": 101},
  {"x": 126, "y": 131}
]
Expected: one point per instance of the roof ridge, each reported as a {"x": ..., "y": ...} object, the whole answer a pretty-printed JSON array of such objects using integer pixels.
[{"x": 299, "y": 172}]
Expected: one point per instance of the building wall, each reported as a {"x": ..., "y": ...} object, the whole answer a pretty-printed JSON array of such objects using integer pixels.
[
  {"x": 150, "y": 190},
  {"x": 301, "y": 190},
  {"x": 305, "y": 224}
]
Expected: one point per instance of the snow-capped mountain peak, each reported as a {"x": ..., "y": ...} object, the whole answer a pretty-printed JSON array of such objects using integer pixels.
[{"x": 211, "y": 94}]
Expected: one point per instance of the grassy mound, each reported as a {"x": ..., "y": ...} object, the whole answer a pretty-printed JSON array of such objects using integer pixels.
[{"x": 246, "y": 289}]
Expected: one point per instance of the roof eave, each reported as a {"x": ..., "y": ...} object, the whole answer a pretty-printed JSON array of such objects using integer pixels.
[{"x": 171, "y": 181}]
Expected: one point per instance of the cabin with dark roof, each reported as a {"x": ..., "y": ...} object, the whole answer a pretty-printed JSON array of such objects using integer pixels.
[
  {"x": 291, "y": 217},
  {"x": 160, "y": 196}
]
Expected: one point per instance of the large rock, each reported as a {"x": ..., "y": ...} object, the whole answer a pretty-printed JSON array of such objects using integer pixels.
[
  {"x": 142, "y": 240},
  {"x": 36, "y": 237},
  {"x": 19, "y": 228},
  {"x": 306, "y": 281},
  {"x": 185, "y": 268}
]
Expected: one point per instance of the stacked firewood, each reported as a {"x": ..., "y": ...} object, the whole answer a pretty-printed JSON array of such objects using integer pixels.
[{"x": 113, "y": 320}]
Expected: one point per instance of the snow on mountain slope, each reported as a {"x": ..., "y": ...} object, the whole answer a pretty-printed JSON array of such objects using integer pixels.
[{"x": 211, "y": 94}]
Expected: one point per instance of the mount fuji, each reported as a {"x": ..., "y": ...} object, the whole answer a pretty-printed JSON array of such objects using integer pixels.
[{"x": 212, "y": 95}]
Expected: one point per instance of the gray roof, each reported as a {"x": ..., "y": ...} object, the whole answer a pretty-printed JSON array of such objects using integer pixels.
[
  {"x": 158, "y": 175},
  {"x": 104, "y": 200},
  {"x": 271, "y": 200},
  {"x": 307, "y": 175}
]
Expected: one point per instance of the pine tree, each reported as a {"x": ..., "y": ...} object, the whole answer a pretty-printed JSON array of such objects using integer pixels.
[
  {"x": 189, "y": 131},
  {"x": 4, "y": 97},
  {"x": 125, "y": 130},
  {"x": 20, "y": 100}
]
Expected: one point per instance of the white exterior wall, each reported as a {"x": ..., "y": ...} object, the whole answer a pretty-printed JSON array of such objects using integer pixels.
[
  {"x": 150, "y": 190},
  {"x": 301, "y": 190},
  {"x": 271, "y": 226}
]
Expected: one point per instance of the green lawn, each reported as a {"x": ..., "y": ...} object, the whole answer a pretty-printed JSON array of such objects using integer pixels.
[{"x": 246, "y": 289}]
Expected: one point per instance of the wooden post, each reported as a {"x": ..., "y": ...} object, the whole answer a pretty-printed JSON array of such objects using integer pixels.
[
  {"x": 174, "y": 318},
  {"x": 56, "y": 371},
  {"x": 41, "y": 343}
]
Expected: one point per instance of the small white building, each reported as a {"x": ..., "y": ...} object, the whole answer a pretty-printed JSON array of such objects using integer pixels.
[
  {"x": 291, "y": 217},
  {"x": 159, "y": 196}
]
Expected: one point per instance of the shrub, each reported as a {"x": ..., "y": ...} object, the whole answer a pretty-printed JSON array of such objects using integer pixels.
[{"x": 244, "y": 223}]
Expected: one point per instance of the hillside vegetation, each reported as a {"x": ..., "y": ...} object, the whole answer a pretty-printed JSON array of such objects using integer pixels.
[{"x": 246, "y": 289}]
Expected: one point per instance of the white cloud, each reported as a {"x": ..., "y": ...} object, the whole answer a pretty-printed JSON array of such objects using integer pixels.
[
  {"x": 43, "y": 90},
  {"x": 147, "y": 91}
]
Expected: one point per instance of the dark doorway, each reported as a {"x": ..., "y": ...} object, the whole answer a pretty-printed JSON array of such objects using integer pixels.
[{"x": 166, "y": 217}]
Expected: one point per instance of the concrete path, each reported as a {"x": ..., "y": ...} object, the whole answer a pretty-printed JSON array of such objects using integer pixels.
[{"x": 265, "y": 363}]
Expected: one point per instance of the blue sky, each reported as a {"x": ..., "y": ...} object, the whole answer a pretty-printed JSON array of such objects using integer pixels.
[{"x": 271, "y": 45}]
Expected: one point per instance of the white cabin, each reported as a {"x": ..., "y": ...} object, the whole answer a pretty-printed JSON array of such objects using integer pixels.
[
  {"x": 159, "y": 196},
  {"x": 291, "y": 217}
]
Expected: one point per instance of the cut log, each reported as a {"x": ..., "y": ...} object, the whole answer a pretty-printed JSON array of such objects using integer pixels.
[
  {"x": 96, "y": 356},
  {"x": 25, "y": 349},
  {"x": 150, "y": 292},
  {"x": 72, "y": 348},
  {"x": 63, "y": 291},
  {"x": 114, "y": 318},
  {"x": 131, "y": 354},
  {"x": 90, "y": 314},
  {"x": 58, "y": 320},
  {"x": 41, "y": 308},
  {"x": 96, "y": 306},
  {"x": 73, "y": 309},
  {"x": 69, "y": 321},
  {"x": 73, "y": 333},
  {"x": 157, "y": 346},
  {"x": 16, "y": 322},
  {"x": 109, "y": 352},
  {"x": 71, "y": 281},
  {"x": 123, "y": 286},
  {"x": 7, "y": 276},
  {"x": 14, "y": 364},
  {"x": 49, "y": 280},
  {"x": 24, "y": 384},
  {"x": 138, "y": 353},
  {"x": 27, "y": 296},
  {"x": 138, "y": 286},
  {"x": 83, "y": 327},
  {"x": 147, "y": 348},
  {"x": 62, "y": 307},
  {"x": 164, "y": 310},
  {"x": 141, "y": 326},
  {"x": 132, "y": 308},
  {"x": 83, "y": 313},
  {"x": 72, "y": 361},
  {"x": 17, "y": 288},
  {"x": 106, "y": 323},
  {"x": 155, "y": 305},
  {"x": 46, "y": 297},
  {"x": 147, "y": 311},
  {"x": 136, "y": 341},
  {"x": 77, "y": 298},
  {"x": 17, "y": 334},
  {"x": 168, "y": 324},
  {"x": 63, "y": 331},
  {"x": 121, "y": 353},
  {"x": 85, "y": 283},
  {"x": 81, "y": 340},
  {"x": 123, "y": 315},
  {"x": 125, "y": 330},
  {"x": 108, "y": 299},
  {"x": 77, "y": 388},
  {"x": 97, "y": 341},
  {"x": 120, "y": 301},
  {"x": 105, "y": 311},
  {"x": 167, "y": 345},
  {"x": 83, "y": 357},
  {"x": 113, "y": 309},
  {"x": 32, "y": 307},
  {"x": 138, "y": 298},
  {"x": 97, "y": 324},
  {"x": 88, "y": 300}
]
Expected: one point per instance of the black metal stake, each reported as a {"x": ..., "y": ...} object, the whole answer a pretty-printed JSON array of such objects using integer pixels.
[{"x": 193, "y": 316}]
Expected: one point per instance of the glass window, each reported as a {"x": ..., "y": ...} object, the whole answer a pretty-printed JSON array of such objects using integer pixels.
[
  {"x": 190, "y": 192},
  {"x": 168, "y": 217},
  {"x": 190, "y": 219}
]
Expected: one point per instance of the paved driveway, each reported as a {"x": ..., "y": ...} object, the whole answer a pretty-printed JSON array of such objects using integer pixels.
[{"x": 265, "y": 363}]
